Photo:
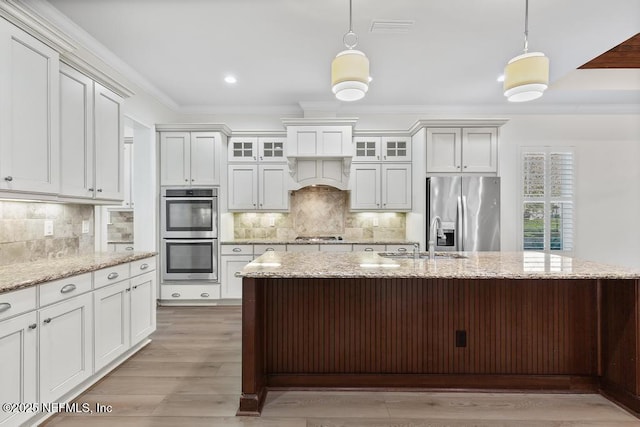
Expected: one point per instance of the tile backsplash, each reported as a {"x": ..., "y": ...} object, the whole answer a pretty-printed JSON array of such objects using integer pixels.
[
  {"x": 22, "y": 231},
  {"x": 320, "y": 211},
  {"x": 120, "y": 227}
]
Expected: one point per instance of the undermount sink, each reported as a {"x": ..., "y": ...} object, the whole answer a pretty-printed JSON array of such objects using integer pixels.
[{"x": 422, "y": 255}]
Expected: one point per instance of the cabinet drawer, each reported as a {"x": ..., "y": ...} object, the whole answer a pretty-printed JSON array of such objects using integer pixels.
[
  {"x": 62, "y": 289},
  {"x": 16, "y": 302},
  {"x": 236, "y": 249},
  {"x": 143, "y": 266},
  {"x": 189, "y": 292},
  {"x": 110, "y": 275},
  {"x": 399, "y": 248},
  {"x": 368, "y": 248},
  {"x": 260, "y": 249}
]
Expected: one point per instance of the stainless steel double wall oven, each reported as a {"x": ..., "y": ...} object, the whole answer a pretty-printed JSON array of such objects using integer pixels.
[{"x": 189, "y": 221}]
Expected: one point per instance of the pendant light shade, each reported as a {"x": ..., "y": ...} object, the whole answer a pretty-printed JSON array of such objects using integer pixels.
[
  {"x": 350, "y": 68},
  {"x": 350, "y": 75},
  {"x": 526, "y": 76}
]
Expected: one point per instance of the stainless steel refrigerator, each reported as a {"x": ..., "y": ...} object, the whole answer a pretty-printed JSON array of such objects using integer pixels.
[{"x": 469, "y": 210}]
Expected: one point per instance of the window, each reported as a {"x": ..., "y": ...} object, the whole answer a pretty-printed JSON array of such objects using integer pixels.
[{"x": 547, "y": 199}]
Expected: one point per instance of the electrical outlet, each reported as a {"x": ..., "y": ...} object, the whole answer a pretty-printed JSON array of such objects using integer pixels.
[
  {"x": 85, "y": 226},
  {"x": 375, "y": 222},
  {"x": 48, "y": 227},
  {"x": 272, "y": 221}
]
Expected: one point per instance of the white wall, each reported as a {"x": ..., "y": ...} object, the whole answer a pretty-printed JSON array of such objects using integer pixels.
[{"x": 607, "y": 183}]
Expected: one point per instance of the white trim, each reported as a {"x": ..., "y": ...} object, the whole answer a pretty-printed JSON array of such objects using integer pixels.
[
  {"x": 448, "y": 123},
  {"x": 320, "y": 121},
  {"x": 186, "y": 127}
]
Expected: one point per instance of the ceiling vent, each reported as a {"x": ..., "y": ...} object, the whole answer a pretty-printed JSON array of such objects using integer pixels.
[{"x": 386, "y": 26}]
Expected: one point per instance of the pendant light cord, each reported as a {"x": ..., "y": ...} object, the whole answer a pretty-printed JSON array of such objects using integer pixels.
[
  {"x": 350, "y": 32},
  {"x": 526, "y": 26}
]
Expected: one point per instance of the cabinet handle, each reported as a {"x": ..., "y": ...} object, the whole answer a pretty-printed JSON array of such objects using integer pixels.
[
  {"x": 402, "y": 249},
  {"x": 204, "y": 295},
  {"x": 113, "y": 275},
  {"x": 68, "y": 288},
  {"x": 384, "y": 157},
  {"x": 8, "y": 178},
  {"x": 237, "y": 274},
  {"x": 175, "y": 295},
  {"x": 368, "y": 249},
  {"x": 4, "y": 306},
  {"x": 33, "y": 326},
  {"x": 128, "y": 248},
  {"x": 144, "y": 266},
  {"x": 47, "y": 320},
  {"x": 237, "y": 250},
  {"x": 269, "y": 249},
  {"x": 99, "y": 190}
]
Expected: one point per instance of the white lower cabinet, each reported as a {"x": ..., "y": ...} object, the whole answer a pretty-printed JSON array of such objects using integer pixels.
[
  {"x": 232, "y": 265},
  {"x": 65, "y": 346},
  {"x": 18, "y": 345},
  {"x": 143, "y": 306},
  {"x": 112, "y": 318}
]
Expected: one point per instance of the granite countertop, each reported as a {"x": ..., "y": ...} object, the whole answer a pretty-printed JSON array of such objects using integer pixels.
[
  {"x": 511, "y": 265},
  {"x": 24, "y": 275},
  {"x": 317, "y": 242}
]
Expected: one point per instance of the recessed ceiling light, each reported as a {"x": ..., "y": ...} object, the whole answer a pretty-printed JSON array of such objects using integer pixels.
[
  {"x": 230, "y": 79},
  {"x": 500, "y": 78}
]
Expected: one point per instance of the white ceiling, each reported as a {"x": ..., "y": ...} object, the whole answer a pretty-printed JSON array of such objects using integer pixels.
[{"x": 281, "y": 50}]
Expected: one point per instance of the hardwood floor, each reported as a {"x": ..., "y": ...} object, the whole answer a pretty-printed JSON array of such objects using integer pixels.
[{"x": 190, "y": 376}]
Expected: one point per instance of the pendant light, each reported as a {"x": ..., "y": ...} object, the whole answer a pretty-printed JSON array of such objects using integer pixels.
[
  {"x": 526, "y": 76},
  {"x": 350, "y": 68}
]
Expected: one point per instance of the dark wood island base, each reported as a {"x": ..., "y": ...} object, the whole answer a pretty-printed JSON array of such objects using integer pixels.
[{"x": 559, "y": 335}]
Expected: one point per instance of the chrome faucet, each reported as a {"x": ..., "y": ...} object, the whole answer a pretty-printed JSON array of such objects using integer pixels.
[
  {"x": 416, "y": 251},
  {"x": 435, "y": 228}
]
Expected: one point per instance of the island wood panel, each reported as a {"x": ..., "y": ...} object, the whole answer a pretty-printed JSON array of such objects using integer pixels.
[
  {"x": 408, "y": 326},
  {"x": 620, "y": 341}
]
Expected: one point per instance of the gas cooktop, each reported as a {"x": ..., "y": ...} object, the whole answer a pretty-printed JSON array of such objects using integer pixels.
[{"x": 318, "y": 238}]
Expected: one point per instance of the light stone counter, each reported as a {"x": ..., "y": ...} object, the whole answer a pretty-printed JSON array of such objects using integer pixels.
[
  {"x": 481, "y": 265},
  {"x": 18, "y": 276},
  {"x": 317, "y": 242}
]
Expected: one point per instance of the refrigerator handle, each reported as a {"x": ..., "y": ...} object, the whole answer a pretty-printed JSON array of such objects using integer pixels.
[
  {"x": 464, "y": 220},
  {"x": 459, "y": 222}
]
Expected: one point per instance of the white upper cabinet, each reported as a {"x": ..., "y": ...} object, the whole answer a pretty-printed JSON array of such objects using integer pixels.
[
  {"x": 109, "y": 144},
  {"x": 377, "y": 148},
  {"x": 396, "y": 186},
  {"x": 252, "y": 149},
  {"x": 319, "y": 141},
  {"x": 76, "y": 139},
  {"x": 273, "y": 186},
  {"x": 189, "y": 158},
  {"x": 381, "y": 186},
  {"x": 365, "y": 186},
  {"x": 461, "y": 150},
  {"x": 243, "y": 187},
  {"x": 29, "y": 144}
]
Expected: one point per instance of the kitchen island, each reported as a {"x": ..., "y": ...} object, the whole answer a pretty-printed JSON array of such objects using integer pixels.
[{"x": 467, "y": 321}]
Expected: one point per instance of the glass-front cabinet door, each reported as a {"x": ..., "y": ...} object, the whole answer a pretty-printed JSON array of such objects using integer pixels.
[
  {"x": 243, "y": 149},
  {"x": 271, "y": 149}
]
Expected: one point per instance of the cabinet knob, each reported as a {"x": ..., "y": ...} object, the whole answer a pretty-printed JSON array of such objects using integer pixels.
[
  {"x": 186, "y": 180},
  {"x": 47, "y": 320},
  {"x": 8, "y": 178},
  {"x": 175, "y": 295},
  {"x": 33, "y": 326},
  {"x": 89, "y": 189},
  {"x": 204, "y": 295},
  {"x": 128, "y": 289},
  {"x": 192, "y": 179},
  {"x": 99, "y": 190},
  {"x": 135, "y": 287},
  {"x": 465, "y": 166},
  {"x": 458, "y": 166},
  {"x": 237, "y": 274}
]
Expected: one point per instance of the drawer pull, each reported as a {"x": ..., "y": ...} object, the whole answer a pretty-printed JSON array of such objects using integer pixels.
[
  {"x": 237, "y": 274},
  {"x": 402, "y": 249},
  {"x": 8, "y": 178},
  {"x": 68, "y": 288},
  {"x": 269, "y": 249},
  {"x": 204, "y": 295},
  {"x": 237, "y": 250},
  {"x": 128, "y": 248},
  {"x": 113, "y": 275},
  {"x": 368, "y": 249},
  {"x": 47, "y": 320},
  {"x": 33, "y": 326},
  {"x": 144, "y": 266},
  {"x": 4, "y": 306},
  {"x": 175, "y": 295}
]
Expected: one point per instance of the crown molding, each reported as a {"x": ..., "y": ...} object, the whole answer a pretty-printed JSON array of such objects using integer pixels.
[
  {"x": 259, "y": 133},
  {"x": 384, "y": 132},
  {"x": 198, "y": 127},
  {"x": 455, "y": 123},
  {"x": 320, "y": 121}
]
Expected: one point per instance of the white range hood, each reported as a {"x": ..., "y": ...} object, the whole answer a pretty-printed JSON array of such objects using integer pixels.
[{"x": 319, "y": 151}]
